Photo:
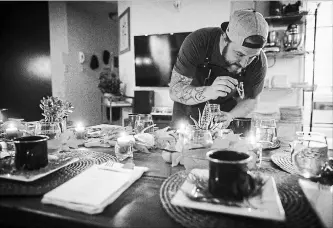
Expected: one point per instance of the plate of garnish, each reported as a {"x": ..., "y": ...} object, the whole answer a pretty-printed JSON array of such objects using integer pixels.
[
  {"x": 264, "y": 201},
  {"x": 56, "y": 162}
]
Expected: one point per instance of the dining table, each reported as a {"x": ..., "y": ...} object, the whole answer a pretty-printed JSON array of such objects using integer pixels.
[{"x": 142, "y": 204}]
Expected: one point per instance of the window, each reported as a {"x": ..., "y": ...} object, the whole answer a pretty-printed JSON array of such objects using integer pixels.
[{"x": 322, "y": 116}]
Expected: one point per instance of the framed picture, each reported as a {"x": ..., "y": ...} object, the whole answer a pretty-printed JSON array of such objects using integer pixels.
[{"x": 124, "y": 32}]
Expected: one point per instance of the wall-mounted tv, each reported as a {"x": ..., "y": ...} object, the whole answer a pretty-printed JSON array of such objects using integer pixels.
[{"x": 155, "y": 56}]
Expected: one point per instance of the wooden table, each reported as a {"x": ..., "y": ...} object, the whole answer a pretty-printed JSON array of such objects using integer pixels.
[{"x": 138, "y": 206}]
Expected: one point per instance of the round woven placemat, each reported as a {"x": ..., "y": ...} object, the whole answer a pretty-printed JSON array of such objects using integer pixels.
[
  {"x": 283, "y": 160},
  {"x": 298, "y": 211},
  {"x": 45, "y": 184}
]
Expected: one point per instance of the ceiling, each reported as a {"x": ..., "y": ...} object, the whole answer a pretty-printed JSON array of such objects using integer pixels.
[{"x": 96, "y": 7}]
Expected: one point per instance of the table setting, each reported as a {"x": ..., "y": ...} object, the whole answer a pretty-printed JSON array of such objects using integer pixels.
[
  {"x": 240, "y": 176},
  {"x": 283, "y": 199}
]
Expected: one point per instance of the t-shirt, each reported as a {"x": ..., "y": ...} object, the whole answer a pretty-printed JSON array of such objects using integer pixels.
[{"x": 193, "y": 53}]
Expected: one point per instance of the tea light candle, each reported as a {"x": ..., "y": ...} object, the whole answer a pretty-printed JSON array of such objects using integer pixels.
[
  {"x": 80, "y": 131},
  {"x": 12, "y": 131},
  {"x": 183, "y": 128}
]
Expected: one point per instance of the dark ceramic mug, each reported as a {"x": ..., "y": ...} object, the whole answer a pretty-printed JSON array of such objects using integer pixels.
[
  {"x": 31, "y": 152},
  {"x": 228, "y": 174},
  {"x": 241, "y": 125}
]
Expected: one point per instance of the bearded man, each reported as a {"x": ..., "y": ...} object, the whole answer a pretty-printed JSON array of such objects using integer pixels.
[{"x": 224, "y": 66}]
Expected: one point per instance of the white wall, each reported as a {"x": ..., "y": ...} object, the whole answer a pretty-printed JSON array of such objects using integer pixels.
[
  {"x": 58, "y": 46},
  {"x": 73, "y": 30},
  {"x": 156, "y": 17}
]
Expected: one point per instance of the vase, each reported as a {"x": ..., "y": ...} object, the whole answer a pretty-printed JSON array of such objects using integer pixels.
[
  {"x": 50, "y": 129},
  {"x": 196, "y": 144},
  {"x": 53, "y": 131}
]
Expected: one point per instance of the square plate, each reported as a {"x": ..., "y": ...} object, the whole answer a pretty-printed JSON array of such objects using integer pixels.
[
  {"x": 269, "y": 204},
  {"x": 321, "y": 200},
  {"x": 29, "y": 176}
]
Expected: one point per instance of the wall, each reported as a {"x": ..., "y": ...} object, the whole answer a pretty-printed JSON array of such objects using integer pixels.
[
  {"x": 149, "y": 17},
  {"x": 73, "y": 30},
  {"x": 156, "y": 17}
]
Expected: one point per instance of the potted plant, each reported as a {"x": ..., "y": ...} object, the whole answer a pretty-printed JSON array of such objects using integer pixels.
[
  {"x": 109, "y": 84},
  {"x": 55, "y": 112}
]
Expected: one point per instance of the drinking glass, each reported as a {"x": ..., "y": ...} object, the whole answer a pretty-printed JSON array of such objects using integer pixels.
[
  {"x": 30, "y": 128},
  {"x": 309, "y": 153},
  {"x": 53, "y": 131},
  {"x": 214, "y": 109},
  {"x": 131, "y": 120},
  {"x": 266, "y": 132},
  {"x": 197, "y": 143},
  {"x": 143, "y": 121}
]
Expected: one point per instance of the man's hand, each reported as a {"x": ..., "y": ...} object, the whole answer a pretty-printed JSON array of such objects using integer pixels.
[{"x": 221, "y": 86}]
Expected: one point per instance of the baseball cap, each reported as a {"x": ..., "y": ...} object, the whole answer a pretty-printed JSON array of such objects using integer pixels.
[{"x": 247, "y": 28}]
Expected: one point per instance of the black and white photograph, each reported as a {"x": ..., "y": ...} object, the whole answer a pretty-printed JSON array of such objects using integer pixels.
[{"x": 166, "y": 113}]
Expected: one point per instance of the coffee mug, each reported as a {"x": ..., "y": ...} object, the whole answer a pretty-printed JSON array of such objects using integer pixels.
[
  {"x": 228, "y": 174},
  {"x": 241, "y": 125},
  {"x": 31, "y": 152}
]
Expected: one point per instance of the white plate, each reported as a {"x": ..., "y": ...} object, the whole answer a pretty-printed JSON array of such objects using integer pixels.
[
  {"x": 30, "y": 176},
  {"x": 269, "y": 206},
  {"x": 321, "y": 199}
]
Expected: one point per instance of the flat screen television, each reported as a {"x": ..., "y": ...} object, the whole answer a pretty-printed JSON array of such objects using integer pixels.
[{"x": 155, "y": 56}]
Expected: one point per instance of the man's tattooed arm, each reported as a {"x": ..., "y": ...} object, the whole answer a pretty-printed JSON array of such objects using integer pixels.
[{"x": 182, "y": 92}]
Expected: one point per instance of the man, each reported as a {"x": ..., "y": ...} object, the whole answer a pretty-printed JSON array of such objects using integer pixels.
[{"x": 212, "y": 63}]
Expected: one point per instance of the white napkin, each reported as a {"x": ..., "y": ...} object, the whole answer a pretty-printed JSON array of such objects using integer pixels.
[
  {"x": 321, "y": 199},
  {"x": 95, "y": 188}
]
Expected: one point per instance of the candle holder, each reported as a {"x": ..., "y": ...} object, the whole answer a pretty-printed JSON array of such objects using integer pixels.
[
  {"x": 12, "y": 133},
  {"x": 124, "y": 147},
  {"x": 255, "y": 150},
  {"x": 123, "y": 152}
]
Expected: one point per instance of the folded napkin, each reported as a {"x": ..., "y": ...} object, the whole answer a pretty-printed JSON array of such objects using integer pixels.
[
  {"x": 321, "y": 199},
  {"x": 95, "y": 188}
]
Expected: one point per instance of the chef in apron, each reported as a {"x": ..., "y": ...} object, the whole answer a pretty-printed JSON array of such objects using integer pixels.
[{"x": 251, "y": 73}]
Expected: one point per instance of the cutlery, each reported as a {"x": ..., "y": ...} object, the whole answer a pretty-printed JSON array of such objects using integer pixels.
[{"x": 198, "y": 196}]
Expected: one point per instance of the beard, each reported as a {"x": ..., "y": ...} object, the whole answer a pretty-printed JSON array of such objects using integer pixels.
[{"x": 232, "y": 66}]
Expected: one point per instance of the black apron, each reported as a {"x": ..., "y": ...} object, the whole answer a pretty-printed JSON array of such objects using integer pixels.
[{"x": 205, "y": 75}]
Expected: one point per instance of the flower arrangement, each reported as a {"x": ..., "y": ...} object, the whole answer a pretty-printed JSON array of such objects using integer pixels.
[
  {"x": 109, "y": 82},
  {"x": 55, "y": 109}
]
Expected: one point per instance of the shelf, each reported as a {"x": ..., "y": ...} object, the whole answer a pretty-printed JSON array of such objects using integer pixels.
[
  {"x": 286, "y": 89},
  {"x": 295, "y": 16},
  {"x": 287, "y": 54},
  {"x": 161, "y": 114}
]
